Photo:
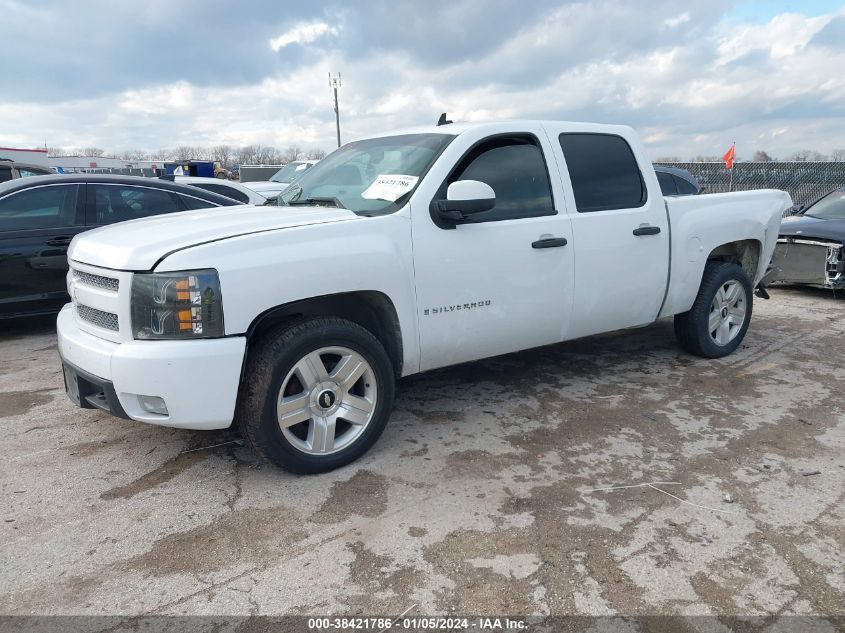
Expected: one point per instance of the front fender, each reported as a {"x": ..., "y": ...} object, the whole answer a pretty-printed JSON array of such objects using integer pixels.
[{"x": 264, "y": 270}]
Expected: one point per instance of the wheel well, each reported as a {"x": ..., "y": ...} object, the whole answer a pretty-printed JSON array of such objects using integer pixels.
[
  {"x": 745, "y": 253},
  {"x": 370, "y": 309}
]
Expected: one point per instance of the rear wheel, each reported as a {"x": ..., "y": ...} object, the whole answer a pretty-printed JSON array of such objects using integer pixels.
[
  {"x": 316, "y": 395},
  {"x": 719, "y": 318}
]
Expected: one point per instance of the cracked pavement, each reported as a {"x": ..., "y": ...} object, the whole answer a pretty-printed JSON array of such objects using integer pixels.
[{"x": 482, "y": 496}]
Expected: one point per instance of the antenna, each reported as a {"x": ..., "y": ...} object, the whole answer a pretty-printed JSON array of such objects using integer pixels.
[
  {"x": 334, "y": 84},
  {"x": 443, "y": 120}
]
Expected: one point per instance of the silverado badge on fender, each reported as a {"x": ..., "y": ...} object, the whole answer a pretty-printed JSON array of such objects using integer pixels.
[{"x": 456, "y": 307}]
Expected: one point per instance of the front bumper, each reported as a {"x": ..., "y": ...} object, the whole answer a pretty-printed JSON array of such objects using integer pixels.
[
  {"x": 198, "y": 380},
  {"x": 811, "y": 261}
]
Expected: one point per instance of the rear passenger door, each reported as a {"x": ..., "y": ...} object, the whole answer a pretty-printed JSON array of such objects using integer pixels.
[
  {"x": 36, "y": 227},
  {"x": 620, "y": 233}
]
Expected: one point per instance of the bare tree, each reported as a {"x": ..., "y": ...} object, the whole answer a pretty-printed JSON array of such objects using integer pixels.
[
  {"x": 838, "y": 155},
  {"x": 245, "y": 155},
  {"x": 808, "y": 155},
  {"x": 706, "y": 159},
  {"x": 761, "y": 156},
  {"x": 134, "y": 154},
  {"x": 659, "y": 159},
  {"x": 292, "y": 153},
  {"x": 186, "y": 152},
  {"x": 223, "y": 154},
  {"x": 226, "y": 155},
  {"x": 268, "y": 155}
]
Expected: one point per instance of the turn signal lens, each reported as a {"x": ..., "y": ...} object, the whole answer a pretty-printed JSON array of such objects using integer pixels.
[{"x": 178, "y": 305}]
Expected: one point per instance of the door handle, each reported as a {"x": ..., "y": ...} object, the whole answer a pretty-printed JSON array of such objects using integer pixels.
[
  {"x": 549, "y": 242},
  {"x": 59, "y": 241},
  {"x": 647, "y": 230}
]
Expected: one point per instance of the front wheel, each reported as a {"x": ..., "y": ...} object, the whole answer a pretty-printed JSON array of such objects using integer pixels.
[
  {"x": 719, "y": 318},
  {"x": 316, "y": 395}
]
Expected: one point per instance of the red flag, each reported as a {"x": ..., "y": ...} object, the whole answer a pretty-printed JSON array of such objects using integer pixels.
[{"x": 729, "y": 157}]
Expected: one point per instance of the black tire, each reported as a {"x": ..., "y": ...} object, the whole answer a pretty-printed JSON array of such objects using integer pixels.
[
  {"x": 269, "y": 362},
  {"x": 692, "y": 328}
]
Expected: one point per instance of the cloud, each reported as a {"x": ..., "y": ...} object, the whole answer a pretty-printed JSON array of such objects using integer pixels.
[
  {"x": 691, "y": 82},
  {"x": 302, "y": 34},
  {"x": 782, "y": 37},
  {"x": 677, "y": 20}
]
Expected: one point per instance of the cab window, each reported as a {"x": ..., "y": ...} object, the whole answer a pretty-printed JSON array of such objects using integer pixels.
[
  {"x": 516, "y": 170},
  {"x": 603, "y": 171}
]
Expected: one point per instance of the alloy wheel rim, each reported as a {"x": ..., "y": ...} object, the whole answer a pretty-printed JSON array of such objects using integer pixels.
[
  {"x": 327, "y": 400},
  {"x": 727, "y": 313}
]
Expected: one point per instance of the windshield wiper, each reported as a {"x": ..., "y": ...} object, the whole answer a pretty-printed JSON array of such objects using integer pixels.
[{"x": 317, "y": 202}]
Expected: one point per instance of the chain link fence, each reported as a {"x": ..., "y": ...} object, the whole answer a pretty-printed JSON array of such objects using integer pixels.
[{"x": 805, "y": 181}]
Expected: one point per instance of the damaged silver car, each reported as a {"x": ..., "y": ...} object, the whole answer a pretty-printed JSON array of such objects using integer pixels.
[{"x": 810, "y": 246}]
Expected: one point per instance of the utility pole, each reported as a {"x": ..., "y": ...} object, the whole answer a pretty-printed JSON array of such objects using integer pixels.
[{"x": 334, "y": 84}]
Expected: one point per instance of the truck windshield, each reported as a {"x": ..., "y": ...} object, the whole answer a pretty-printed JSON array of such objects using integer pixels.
[
  {"x": 290, "y": 172},
  {"x": 831, "y": 207},
  {"x": 369, "y": 177}
]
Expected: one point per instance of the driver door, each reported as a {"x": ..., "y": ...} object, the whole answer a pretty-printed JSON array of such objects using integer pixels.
[{"x": 494, "y": 283}]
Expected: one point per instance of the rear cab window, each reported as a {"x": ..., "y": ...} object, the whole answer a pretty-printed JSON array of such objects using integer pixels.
[{"x": 604, "y": 172}]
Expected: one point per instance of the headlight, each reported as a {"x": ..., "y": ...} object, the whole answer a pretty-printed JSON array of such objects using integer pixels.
[{"x": 187, "y": 304}]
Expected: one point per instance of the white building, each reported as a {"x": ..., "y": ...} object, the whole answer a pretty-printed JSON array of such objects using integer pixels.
[{"x": 31, "y": 156}]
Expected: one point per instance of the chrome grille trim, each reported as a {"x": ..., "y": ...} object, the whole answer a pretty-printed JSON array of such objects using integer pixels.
[
  {"x": 96, "y": 281},
  {"x": 105, "y": 320}
]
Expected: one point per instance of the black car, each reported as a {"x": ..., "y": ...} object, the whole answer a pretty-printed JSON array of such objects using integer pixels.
[
  {"x": 40, "y": 215},
  {"x": 675, "y": 181},
  {"x": 11, "y": 169},
  {"x": 810, "y": 248}
]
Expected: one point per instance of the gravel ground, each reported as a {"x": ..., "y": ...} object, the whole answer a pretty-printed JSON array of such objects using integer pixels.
[{"x": 488, "y": 493}]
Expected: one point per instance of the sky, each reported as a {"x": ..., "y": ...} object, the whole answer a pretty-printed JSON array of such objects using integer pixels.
[{"x": 691, "y": 76}]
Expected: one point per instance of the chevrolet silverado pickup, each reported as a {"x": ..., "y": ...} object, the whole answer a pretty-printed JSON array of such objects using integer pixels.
[{"x": 394, "y": 255}]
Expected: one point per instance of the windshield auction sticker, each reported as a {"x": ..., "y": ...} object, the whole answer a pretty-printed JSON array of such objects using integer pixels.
[{"x": 390, "y": 187}]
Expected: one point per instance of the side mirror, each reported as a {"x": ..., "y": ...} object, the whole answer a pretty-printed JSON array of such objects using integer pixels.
[{"x": 465, "y": 198}]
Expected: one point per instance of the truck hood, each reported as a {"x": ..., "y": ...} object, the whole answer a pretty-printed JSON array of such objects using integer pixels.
[
  {"x": 139, "y": 244},
  {"x": 808, "y": 226}
]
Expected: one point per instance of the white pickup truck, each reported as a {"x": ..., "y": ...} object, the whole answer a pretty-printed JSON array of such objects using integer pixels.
[{"x": 395, "y": 255}]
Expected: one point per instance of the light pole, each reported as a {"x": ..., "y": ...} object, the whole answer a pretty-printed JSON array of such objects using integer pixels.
[{"x": 334, "y": 84}]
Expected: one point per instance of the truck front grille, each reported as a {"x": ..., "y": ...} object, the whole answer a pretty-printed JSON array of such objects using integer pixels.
[
  {"x": 105, "y": 320},
  {"x": 96, "y": 281}
]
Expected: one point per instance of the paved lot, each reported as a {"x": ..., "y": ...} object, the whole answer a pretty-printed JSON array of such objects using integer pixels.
[{"x": 479, "y": 498}]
